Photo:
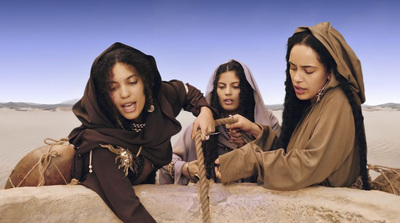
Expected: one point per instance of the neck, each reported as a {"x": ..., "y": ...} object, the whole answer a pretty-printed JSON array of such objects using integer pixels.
[{"x": 229, "y": 113}]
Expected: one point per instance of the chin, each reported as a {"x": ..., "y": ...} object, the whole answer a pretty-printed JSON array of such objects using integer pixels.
[{"x": 130, "y": 116}]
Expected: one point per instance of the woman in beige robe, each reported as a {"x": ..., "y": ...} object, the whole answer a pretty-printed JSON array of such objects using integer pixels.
[{"x": 323, "y": 138}]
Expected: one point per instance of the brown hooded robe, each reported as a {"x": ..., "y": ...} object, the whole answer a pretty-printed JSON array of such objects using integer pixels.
[{"x": 107, "y": 179}]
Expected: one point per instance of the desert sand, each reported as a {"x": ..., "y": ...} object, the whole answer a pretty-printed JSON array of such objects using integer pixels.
[{"x": 23, "y": 131}]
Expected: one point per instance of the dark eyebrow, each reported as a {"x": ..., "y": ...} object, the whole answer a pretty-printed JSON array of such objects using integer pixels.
[
  {"x": 131, "y": 76},
  {"x": 306, "y": 66}
]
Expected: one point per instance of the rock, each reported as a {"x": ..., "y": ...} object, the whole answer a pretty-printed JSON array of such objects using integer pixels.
[{"x": 230, "y": 203}]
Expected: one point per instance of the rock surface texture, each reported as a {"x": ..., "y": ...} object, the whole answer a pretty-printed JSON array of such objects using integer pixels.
[{"x": 231, "y": 203}]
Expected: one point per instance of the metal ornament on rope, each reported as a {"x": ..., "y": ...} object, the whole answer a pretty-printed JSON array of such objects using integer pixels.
[{"x": 204, "y": 184}]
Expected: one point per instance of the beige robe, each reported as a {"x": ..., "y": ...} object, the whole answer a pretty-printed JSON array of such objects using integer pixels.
[{"x": 321, "y": 147}]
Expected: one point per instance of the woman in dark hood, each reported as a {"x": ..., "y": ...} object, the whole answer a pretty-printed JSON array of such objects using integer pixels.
[{"x": 128, "y": 118}]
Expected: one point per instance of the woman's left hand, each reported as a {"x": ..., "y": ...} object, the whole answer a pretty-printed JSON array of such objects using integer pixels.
[
  {"x": 244, "y": 125},
  {"x": 204, "y": 122}
]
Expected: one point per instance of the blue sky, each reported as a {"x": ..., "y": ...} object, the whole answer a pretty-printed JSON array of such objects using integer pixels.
[{"x": 47, "y": 47}]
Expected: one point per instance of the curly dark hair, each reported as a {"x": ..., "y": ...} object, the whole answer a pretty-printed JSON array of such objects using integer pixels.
[
  {"x": 295, "y": 109},
  {"x": 144, "y": 64},
  {"x": 246, "y": 109}
]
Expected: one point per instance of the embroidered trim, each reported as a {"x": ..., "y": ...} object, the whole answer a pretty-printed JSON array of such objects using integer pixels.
[{"x": 126, "y": 158}]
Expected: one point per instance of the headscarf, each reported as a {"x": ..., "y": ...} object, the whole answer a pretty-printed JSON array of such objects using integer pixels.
[
  {"x": 98, "y": 129},
  {"x": 185, "y": 148},
  {"x": 348, "y": 64},
  {"x": 262, "y": 115}
]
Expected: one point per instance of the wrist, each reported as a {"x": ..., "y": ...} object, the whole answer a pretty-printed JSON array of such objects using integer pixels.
[
  {"x": 191, "y": 178},
  {"x": 205, "y": 109},
  {"x": 256, "y": 130},
  {"x": 171, "y": 169},
  {"x": 184, "y": 169}
]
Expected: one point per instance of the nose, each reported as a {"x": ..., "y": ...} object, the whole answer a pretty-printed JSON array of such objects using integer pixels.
[
  {"x": 297, "y": 76},
  {"x": 228, "y": 91},
  {"x": 124, "y": 92}
]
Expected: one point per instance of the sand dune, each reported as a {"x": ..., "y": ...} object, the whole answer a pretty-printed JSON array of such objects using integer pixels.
[{"x": 23, "y": 131}]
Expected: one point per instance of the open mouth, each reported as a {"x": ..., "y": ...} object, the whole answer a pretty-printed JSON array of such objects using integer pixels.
[
  {"x": 228, "y": 101},
  {"x": 129, "y": 107},
  {"x": 299, "y": 90}
]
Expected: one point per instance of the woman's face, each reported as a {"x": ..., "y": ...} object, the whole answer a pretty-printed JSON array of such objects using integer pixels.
[
  {"x": 126, "y": 90},
  {"x": 308, "y": 74},
  {"x": 228, "y": 90}
]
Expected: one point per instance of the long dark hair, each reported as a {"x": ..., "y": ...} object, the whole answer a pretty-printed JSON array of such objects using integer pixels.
[
  {"x": 101, "y": 72},
  {"x": 246, "y": 109},
  {"x": 295, "y": 109}
]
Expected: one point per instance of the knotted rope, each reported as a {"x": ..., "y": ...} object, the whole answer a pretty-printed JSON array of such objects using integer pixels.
[
  {"x": 388, "y": 181},
  {"x": 44, "y": 162},
  {"x": 203, "y": 183}
]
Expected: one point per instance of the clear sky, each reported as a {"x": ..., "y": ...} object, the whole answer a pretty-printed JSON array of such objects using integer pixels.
[{"x": 47, "y": 47}]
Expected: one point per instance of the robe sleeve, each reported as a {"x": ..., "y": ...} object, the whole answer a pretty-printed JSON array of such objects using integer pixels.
[
  {"x": 184, "y": 96},
  {"x": 329, "y": 145},
  {"x": 116, "y": 190},
  {"x": 184, "y": 151}
]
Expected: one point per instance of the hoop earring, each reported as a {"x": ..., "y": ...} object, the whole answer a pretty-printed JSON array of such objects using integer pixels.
[
  {"x": 321, "y": 91},
  {"x": 151, "y": 108}
]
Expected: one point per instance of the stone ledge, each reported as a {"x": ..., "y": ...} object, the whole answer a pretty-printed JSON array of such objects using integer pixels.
[{"x": 231, "y": 203}]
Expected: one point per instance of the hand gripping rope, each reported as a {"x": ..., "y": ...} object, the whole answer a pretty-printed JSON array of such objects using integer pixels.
[{"x": 203, "y": 183}]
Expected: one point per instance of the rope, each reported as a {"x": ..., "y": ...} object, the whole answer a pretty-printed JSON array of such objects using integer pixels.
[
  {"x": 43, "y": 163},
  {"x": 203, "y": 183},
  {"x": 385, "y": 172}
]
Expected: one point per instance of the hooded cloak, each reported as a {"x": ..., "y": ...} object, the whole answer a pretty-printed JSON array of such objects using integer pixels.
[
  {"x": 97, "y": 129},
  {"x": 322, "y": 148},
  {"x": 348, "y": 64},
  {"x": 184, "y": 148}
]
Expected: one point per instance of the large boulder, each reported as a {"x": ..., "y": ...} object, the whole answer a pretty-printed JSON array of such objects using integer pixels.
[{"x": 231, "y": 203}]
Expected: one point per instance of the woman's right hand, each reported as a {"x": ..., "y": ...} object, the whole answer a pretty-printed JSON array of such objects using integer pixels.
[{"x": 193, "y": 169}]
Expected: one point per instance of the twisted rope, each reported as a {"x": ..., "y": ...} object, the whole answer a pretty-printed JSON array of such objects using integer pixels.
[
  {"x": 203, "y": 183},
  {"x": 389, "y": 175}
]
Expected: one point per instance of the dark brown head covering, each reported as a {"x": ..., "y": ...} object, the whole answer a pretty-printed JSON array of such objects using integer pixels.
[
  {"x": 97, "y": 128},
  {"x": 348, "y": 64}
]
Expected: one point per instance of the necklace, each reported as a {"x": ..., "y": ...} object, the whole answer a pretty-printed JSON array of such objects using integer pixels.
[{"x": 138, "y": 127}]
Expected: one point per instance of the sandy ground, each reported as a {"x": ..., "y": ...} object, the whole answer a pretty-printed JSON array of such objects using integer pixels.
[{"x": 23, "y": 131}]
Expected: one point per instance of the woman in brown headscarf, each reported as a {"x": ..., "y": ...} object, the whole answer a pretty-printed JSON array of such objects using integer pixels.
[
  {"x": 128, "y": 117},
  {"x": 323, "y": 139}
]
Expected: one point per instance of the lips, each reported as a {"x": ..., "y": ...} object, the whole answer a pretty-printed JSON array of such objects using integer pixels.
[
  {"x": 228, "y": 101},
  {"x": 299, "y": 90},
  {"x": 129, "y": 107}
]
